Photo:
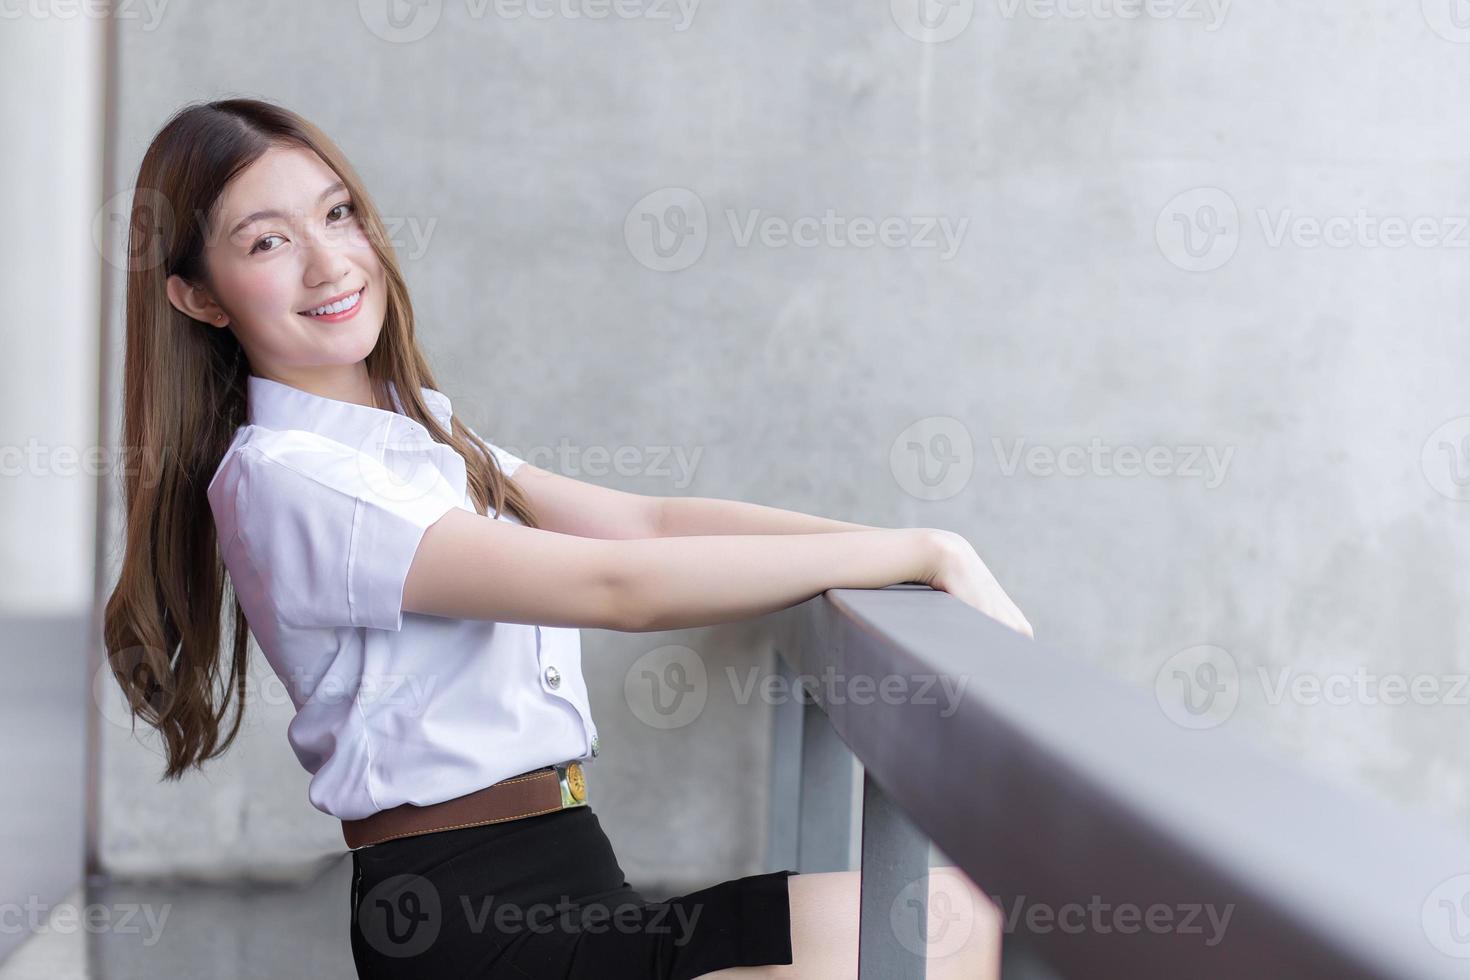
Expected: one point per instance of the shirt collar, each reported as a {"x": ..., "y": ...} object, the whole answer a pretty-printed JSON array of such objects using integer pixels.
[{"x": 274, "y": 405}]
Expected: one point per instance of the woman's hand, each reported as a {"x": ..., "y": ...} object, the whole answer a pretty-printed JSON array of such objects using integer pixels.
[{"x": 960, "y": 572}]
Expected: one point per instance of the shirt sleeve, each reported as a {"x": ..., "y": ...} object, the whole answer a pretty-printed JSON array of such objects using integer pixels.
[
  {"x": 509, "y": 462},
  {"x": 330, "y": 550}
]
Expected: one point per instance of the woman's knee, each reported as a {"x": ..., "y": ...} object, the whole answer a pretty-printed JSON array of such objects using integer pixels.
[{"x": 960, "y": 938}]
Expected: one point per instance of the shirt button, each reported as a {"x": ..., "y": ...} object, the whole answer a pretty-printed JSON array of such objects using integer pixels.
[{"x": 553, "y": 677}]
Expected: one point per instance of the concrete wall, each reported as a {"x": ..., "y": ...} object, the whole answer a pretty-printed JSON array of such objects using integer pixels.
[
  {"x": 50, "y": 172},
  {"x": 1023, "y": 233}
]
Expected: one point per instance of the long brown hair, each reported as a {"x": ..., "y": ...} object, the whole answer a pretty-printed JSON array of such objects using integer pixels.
[{"x": 184, "y": 395}]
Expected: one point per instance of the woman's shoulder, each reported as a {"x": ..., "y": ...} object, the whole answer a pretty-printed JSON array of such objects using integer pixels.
[
  {"x": 303, "y": 472},
  {"x": 284, "y": 463},
  {"x": 308, "y": 454}
]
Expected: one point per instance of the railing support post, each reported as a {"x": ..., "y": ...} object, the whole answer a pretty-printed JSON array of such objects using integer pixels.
[
  {"x": 894, "y": 916},
  {"x": 785, "y": 804},
  {"x": 824, "y": 836},
  {"x": 812, "y": 772}
]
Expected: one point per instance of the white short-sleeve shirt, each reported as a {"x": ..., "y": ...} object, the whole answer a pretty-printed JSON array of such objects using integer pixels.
[{"x": 320, "y": 505}]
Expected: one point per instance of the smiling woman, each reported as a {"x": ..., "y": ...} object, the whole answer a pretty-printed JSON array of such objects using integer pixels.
[{"x": 266, "y": 317}]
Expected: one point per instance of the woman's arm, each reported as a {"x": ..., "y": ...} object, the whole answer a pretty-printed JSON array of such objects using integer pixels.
[
  {"x": 569, "y": 507},
  {"x": 471, "y": 566},
  {"x": 679, "y": 516}
]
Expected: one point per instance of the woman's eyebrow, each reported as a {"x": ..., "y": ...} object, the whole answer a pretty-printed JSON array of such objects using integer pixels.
[{"x": 339, "y": 185}]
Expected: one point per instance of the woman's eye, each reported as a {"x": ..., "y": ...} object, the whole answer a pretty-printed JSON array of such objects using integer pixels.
[
  {"x": 351, "y": 210},
  {"x": 267, "y": 238}
]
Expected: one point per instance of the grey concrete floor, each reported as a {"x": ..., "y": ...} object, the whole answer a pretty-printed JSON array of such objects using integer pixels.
[
  {"x": 206, "y": 932},
  {"x": 202, "y": 932}
]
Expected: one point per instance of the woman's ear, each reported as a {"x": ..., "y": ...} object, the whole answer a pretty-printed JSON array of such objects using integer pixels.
[{"x": 195, "y": 301}]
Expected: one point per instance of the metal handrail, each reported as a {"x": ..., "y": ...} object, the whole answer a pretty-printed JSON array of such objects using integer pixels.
[{"x": 1071, "y": 798}]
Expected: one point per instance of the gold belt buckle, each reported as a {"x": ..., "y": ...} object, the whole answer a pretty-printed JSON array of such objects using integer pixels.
[{"x": 573, "y": 784}]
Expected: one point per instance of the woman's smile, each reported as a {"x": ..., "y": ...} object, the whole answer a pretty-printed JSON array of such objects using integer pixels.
[{"x": 342, "y": 308}]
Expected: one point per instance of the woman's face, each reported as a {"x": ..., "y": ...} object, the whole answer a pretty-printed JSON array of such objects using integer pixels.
[{"x": 271, "y": 273}]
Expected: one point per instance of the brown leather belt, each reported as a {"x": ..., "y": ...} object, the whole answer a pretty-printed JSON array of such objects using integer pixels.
[{"x": 530, "y": 794}]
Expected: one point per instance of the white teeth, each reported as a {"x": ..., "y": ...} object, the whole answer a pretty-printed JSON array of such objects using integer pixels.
[{"x": 339, "y": 306}]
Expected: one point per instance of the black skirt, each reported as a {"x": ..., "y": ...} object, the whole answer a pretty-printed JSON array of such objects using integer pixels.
[{"x": 543, "y": 898}]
